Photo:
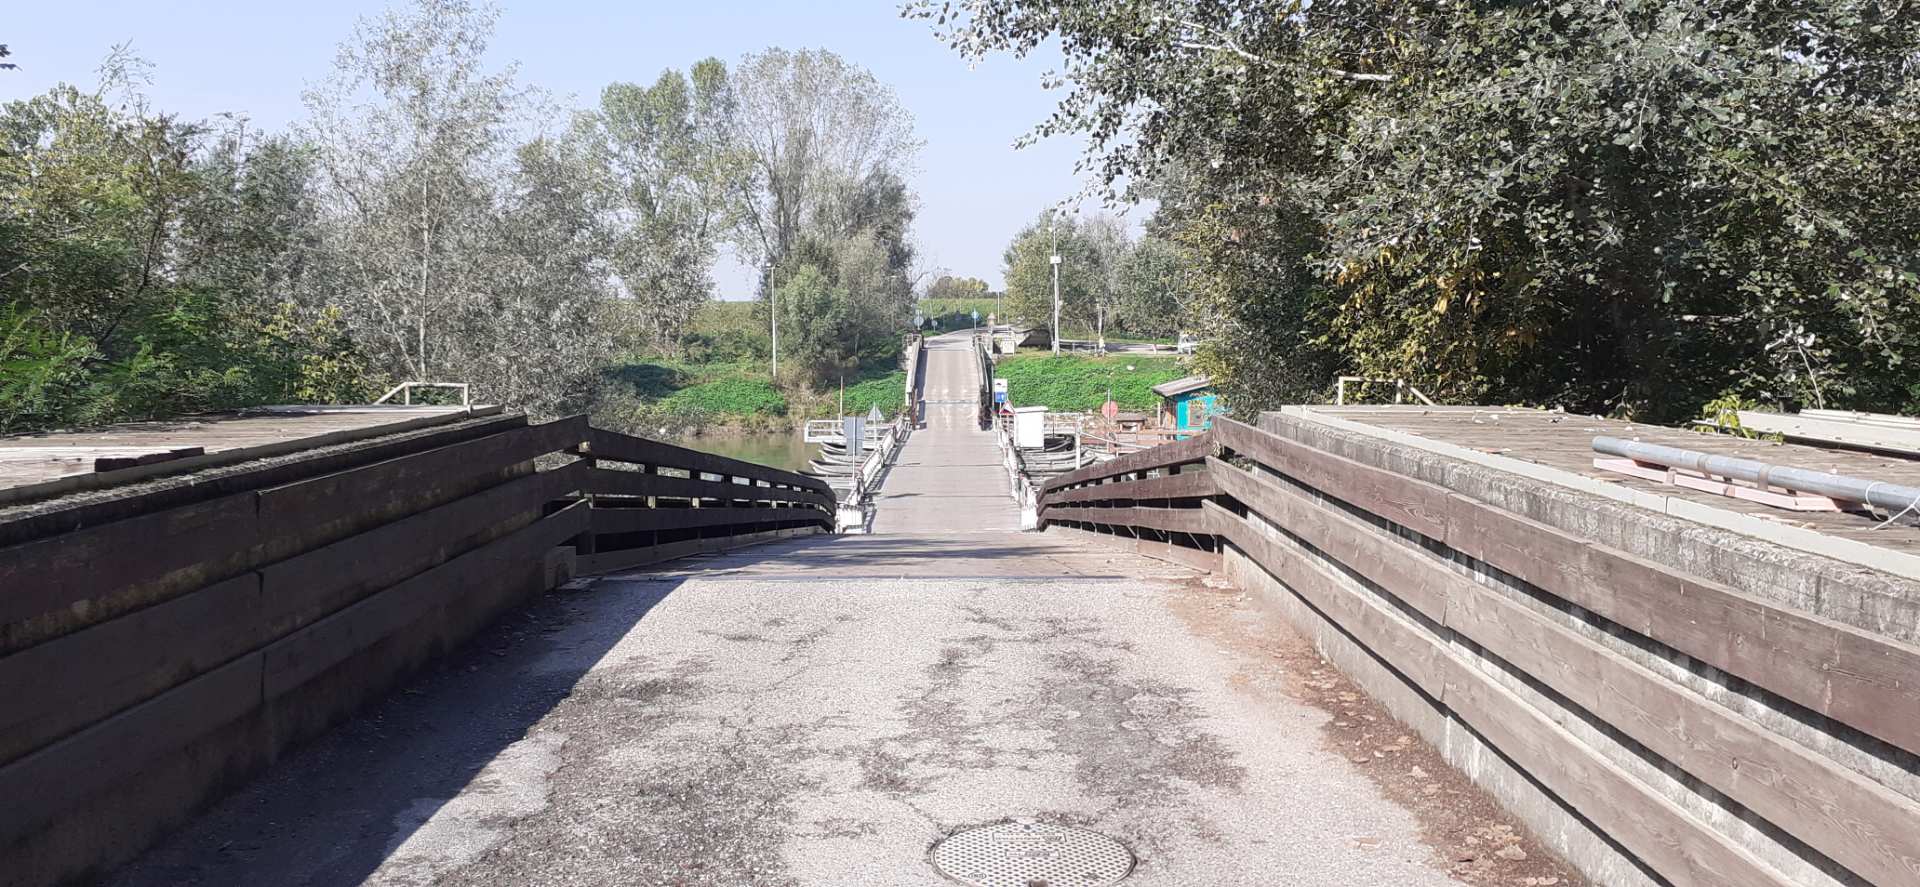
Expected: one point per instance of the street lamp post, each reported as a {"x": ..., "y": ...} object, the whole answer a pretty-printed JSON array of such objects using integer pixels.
[
  {"x": 1054, "y": 259},
  {"x": 773, "y": 318}
]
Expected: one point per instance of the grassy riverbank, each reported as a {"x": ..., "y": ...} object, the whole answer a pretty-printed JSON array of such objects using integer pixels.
[
  {"x": 657, "y": 396},
  {"x": 716, "y": 383},
  {"x": 1079, "y": 383}
]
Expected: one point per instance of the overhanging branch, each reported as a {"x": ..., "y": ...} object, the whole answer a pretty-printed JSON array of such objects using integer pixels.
[{"x": 1228, "y": 45}]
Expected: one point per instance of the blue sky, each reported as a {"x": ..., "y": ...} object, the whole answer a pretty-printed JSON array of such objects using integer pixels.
[{"x": 255, "y": 57}]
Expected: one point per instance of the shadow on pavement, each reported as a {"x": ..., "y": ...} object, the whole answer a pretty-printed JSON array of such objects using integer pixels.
[{"x": 336, "y": 808}]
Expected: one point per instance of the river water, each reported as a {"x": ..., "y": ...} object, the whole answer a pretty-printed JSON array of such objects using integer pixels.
[{"x": 782, "y": 449}]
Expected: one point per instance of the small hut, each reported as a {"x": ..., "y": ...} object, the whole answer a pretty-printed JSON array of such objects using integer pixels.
[{"x": 1187, "y": 404}]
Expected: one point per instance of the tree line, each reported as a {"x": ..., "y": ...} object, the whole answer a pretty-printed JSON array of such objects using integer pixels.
[
  {"x": 1110, "y": 282},
  {"x": 1634, "y": 207},
  {"x": 433, "y": 218}
]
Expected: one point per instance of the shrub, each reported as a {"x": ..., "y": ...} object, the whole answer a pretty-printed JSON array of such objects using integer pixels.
[
  {"x": 729, "y": 397},
  {"x": 888, "y": 392}
]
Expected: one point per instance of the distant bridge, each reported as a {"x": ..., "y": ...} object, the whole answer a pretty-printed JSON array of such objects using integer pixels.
[{"x": 440, "y": 647}]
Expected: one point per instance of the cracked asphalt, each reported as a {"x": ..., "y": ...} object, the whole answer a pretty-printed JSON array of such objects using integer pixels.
[{"x": 821, "y": 711}]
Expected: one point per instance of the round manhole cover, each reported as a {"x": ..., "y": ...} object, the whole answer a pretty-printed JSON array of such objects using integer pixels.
[{"x": 1032, "y": 854}]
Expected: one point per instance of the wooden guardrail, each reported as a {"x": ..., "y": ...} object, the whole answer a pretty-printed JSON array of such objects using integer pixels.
[
  {"x": 662, "y": 502},
  {"x": 157, "y": 647},
  {"x": 983, "y": 360},
  {"x": 916, "y": 358},
  {"x": 1153, "y": 495},
  {"x": 1558, "y": 655}
]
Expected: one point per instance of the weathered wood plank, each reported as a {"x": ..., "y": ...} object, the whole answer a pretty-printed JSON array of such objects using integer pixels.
[
  {"x": 603, "y": 444},
  {"x": 1185, "y": 485},
  {"x": 1683, "y": 850},
  {"x": 1398, "y": 568},
  {"x": 614, "y": 482},
  {"x": 177, "y": 455},
  {"x": 62, "y": 583},
  {"x": 1850, "y": 675},
  {"x": 629, "y": 558},
  {"x": 1672, "y": 842},
  {"x": 63, "y": 684},
  {"x": 1529, "y": 550},
  {"x": 1853, "y": 820},
  {"x": 1890, "y": 437},
  {"x": 1389, "y": 636},
  {"x": 1769, "y": 645},
  {"x": 1199, "y": 559},
  {"x": 59, "y": 584},
  {"x": 1192, "y": 449},
  {"x": 1857, "y": 822},
  {"x": 633, "y": 520},
  {"x": 117, "y": 750},
  {"x": 56, "y": 688},
  {"x": 23, "y": 525},
  {"x": 1417, "y": 506},
  {"x": 307, "y": 587},
  {"x": 302, "y": 515},
  {"x": 310, "y": 651},
  {"x": 1171, "y": 520}
]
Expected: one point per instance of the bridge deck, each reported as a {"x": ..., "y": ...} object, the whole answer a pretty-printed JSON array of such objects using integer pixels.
[
  {"x": 948, "y": 477},
  {"x": 819, "y": 712}
]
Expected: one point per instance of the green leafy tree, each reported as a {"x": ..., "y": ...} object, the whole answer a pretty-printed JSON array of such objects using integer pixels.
[
  {"x": 93, "y": 193},
  {"x": 148, "y": 265},
  {"x": 457, "y": 250},
  {"x": 950, "y": 287},
  {"x": 822, "y": 148},
  {"x": 1150, "y": 290},
  {"x": 1087, "y": 255},
  {"x": 814, "y": 312},
  {"x": 1617, "y": 207},
  {"x": 674, "y": 176},
  {"x": 822, "y": 145}
]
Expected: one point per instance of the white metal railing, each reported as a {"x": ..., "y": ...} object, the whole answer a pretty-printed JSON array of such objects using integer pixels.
[
  {"x": 834, "y": 431},
  {"x": 1019, "y": 486},
  {"x": 1118, "y": 443},
  {"x": 856, "y": 506},
  {"x": 1400, "y": 389},
  {"x": 880, "y": 442},
  {"x": 405, "y": 390}
]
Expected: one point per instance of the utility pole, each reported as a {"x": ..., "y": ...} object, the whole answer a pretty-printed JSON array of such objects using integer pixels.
[
  {"x": 1054, "y": 259},
  {"x": 773, "y": 314}
]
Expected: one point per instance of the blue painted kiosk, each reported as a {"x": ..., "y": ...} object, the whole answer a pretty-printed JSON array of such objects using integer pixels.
[{"x": 1188, "y": 404}]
